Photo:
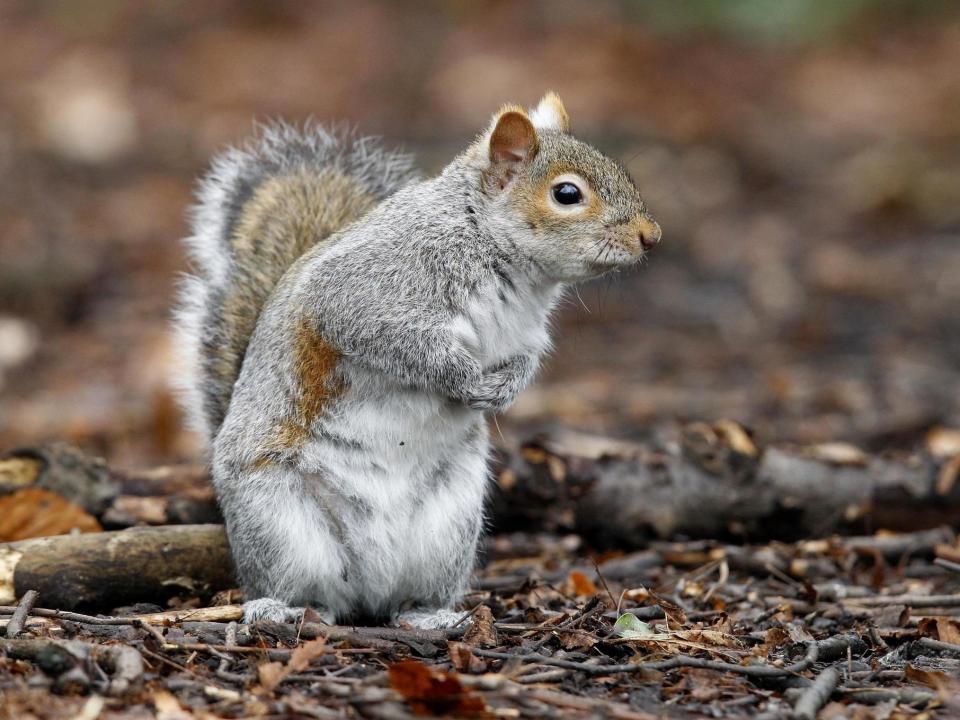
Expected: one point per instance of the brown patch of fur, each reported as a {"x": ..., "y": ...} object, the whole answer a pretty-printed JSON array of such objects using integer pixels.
[
  {"x": 285, "y": 217},
  {"x": 315, "y": 364}
]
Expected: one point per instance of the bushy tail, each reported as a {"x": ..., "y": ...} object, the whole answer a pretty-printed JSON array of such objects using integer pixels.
[{"x": 259, "y": 209}]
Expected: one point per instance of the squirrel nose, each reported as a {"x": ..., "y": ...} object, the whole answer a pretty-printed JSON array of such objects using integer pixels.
[{"x": 649, "y": 232}]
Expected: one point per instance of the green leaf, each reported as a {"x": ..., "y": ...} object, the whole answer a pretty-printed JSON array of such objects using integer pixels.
[{"x": 629, "y": 625}]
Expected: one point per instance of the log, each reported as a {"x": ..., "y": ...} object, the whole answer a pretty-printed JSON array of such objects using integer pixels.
[
  {"x": 715, "y": 484},
  {"x": 97, "y": 570}
]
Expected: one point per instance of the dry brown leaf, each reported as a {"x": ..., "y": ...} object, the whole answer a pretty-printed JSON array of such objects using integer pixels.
[
  {"x": 576, "y": 639},
  {"x": 944, "y": 629},
  {"x": 481, "y": 632},
  {"x": 301, "y": 658},
  {"x": 463, "y": 658},
  {"x": 580, "y": 585},
  {"x": 931, "y": 678},
  {"x": 132, "y": 509},
  {"x": 434, "y": 692},
  {"x": 775, "y": 637},
  {"x": 33, "y": 512},
  {"x": 270, "y": 675},
  {"x": 675, "y": 614}
]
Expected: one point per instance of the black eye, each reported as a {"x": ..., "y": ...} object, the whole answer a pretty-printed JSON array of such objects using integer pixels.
[{"x": 567, "y": 193}]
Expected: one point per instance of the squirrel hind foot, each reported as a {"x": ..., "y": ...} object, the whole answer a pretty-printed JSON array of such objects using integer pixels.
[
  {"x": 270, "y": 610},
  {"x": 432, "y": 619}
]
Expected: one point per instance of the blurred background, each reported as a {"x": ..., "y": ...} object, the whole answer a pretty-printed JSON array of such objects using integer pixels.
[{"x": 802, "y": 157}]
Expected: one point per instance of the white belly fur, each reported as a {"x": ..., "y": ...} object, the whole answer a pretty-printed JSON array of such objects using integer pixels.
[{"x": 408, "y": 468}]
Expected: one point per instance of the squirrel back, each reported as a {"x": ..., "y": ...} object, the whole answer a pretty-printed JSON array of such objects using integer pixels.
[{"x": 260, "y": 208}]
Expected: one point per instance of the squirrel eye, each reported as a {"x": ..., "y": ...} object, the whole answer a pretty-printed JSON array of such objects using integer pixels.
[{"x": 566, "y": 193}]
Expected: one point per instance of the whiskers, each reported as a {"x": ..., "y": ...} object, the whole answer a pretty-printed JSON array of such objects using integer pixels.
[{"x": 604, "y": 246}]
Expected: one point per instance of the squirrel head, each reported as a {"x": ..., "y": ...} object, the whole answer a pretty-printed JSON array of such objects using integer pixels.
[{"x": 569, "y": 207}]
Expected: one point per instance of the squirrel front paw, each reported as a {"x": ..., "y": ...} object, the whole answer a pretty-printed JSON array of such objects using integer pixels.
[{"x": 498, "y": 388}]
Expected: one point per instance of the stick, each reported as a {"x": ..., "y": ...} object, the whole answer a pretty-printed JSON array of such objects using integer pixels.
[
  {"x": 948, "y": 564},
  {"x": 875, "y": 696},
  {"x": 817, "y": 695},
  {"x": 939, "y": 647},
  {"x": 916, "y": 601},
  {"x": 170, "y": 617},
  {"x": 19, "y": 619}
]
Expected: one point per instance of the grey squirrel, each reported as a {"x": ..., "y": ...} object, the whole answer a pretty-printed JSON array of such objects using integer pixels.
[{"x": 347, "y": 328}]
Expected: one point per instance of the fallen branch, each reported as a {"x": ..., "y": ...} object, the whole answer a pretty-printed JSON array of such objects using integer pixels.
[
  {"x": 98, "y": 569},
  {"x": 622, "y": 495},
  {"x": 217, "y": 613}
]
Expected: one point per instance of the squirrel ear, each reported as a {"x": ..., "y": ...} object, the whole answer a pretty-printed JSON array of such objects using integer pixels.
[
  {"x": 550, "y": 114},
  {"x": 513, "y": 141}
]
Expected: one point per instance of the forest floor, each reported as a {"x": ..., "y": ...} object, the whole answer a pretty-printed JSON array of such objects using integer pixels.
[{"x": 678, "y": 630}]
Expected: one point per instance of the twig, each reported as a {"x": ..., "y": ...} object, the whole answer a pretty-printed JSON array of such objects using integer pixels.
[
  {"x": 603, "y": 582},
  {"x": 19, "y": 619},
  {"x": 224, "y": 612},
  {"x": 916, "y": 601},
  {"x": 223, "y": 669},
  {"x": 940, "y": 647},
  {"x": 542, "y": 677},
  {"x": 873, "y": 696},
  {"x": 948, "y": 564},
  {"x": 588, "y": 610},
  {"x": 151, "y": 630},
  {"x": 678, "y": 661},
  {"x": 817, "y": 695},
  {"x": 573, "y": 702}
]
